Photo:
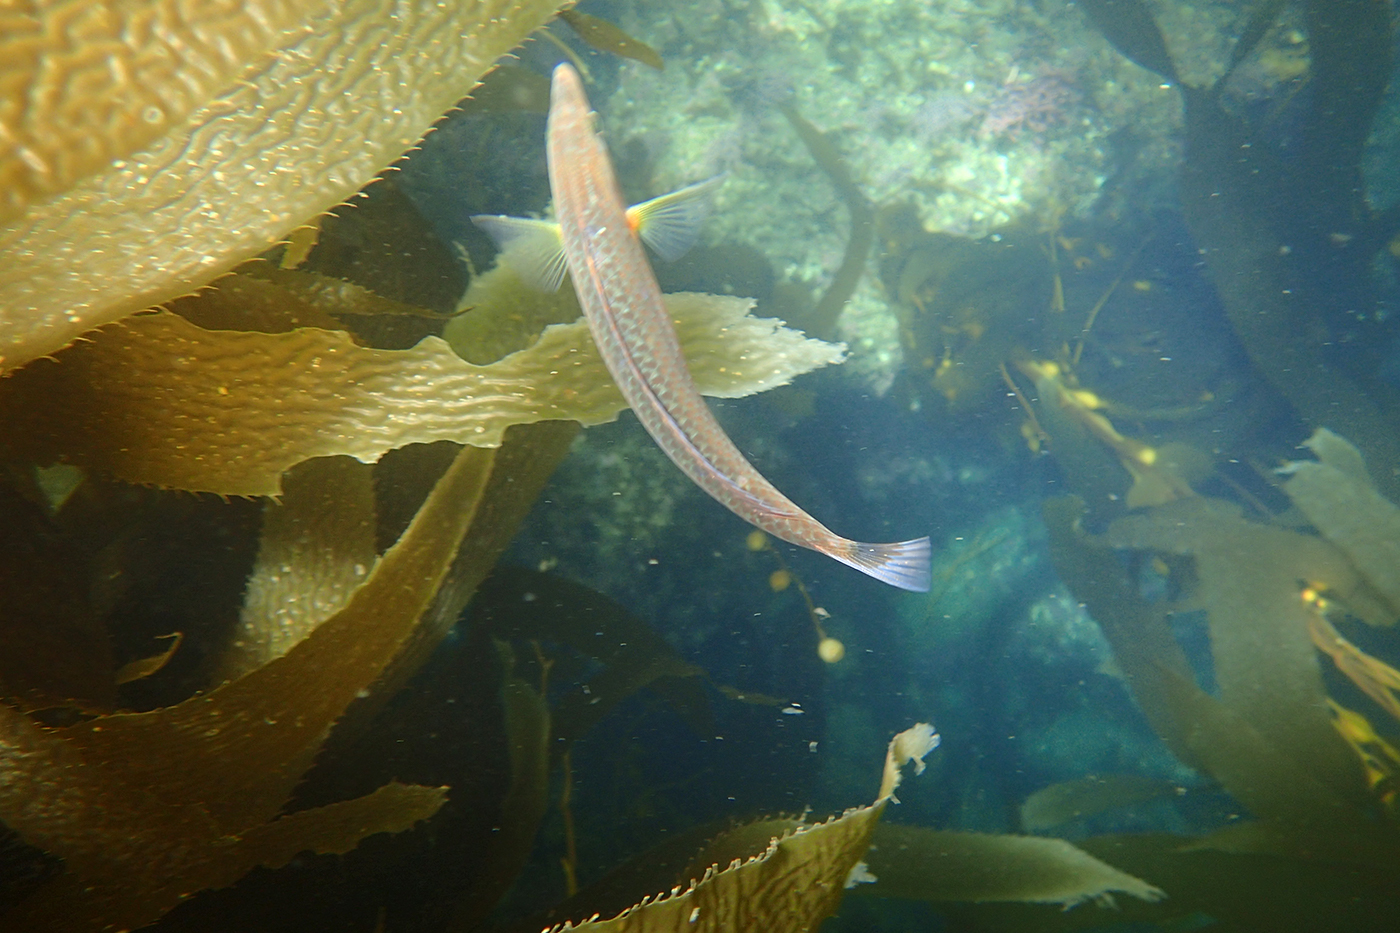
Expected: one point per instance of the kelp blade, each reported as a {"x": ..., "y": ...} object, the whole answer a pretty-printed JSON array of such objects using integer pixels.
[
  {"x": 240, "y": 162},
  {"x": 142, "y": 807},
  {"x": 157, "y": 400},
  {"x": 928, "y": 864}
]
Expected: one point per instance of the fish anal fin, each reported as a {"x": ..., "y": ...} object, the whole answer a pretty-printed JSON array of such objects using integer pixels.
[
  {"x": 670, "y": 224},
  {"x": 533, "y": 248}
]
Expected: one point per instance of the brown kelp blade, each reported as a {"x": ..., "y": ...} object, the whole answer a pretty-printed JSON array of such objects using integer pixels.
[
  {"x": 794, "y": 878},
  {"x": 1132, "y": 30},
  {"x": 920, "y": 863},
  {"x": 159, "y": 400},
  {"x": 141, "y": 807},
  {"x": 609, "y": 37}
]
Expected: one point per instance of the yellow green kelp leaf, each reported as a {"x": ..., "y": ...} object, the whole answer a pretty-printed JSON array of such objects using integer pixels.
[
  {"x": 255, "y": 135},
  {"x": 317, "y": 547},
  {"x": 146, "y": 808},
  {"x": 1339, "y": 499},
  {"x": 936, "y": 865},
  {"x": 158, "y": 400},
  {"x": 1265, "y": 663},
  {"x": 1089, "y": 796},
  {"x": 796, "y": 880},
  {"x": 792, "y": 886},
  {"x": 1213, "y": 890},
  {"x": 500, "y": 313}
]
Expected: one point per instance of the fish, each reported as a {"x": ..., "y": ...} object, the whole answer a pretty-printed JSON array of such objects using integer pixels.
[
  {"x": 669, "y": 225},
  {"x": 603, "y": 253}
]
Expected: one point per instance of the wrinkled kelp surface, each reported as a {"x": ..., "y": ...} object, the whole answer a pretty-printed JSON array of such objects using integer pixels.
[
  {"x": 319, "y": 611},
  {"x": 248, "y": 138}
]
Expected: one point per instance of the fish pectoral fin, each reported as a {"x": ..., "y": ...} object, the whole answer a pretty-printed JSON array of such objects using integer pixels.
[
  {"x": 534, "y": 249},
  {"x": 670, "y": 224}
]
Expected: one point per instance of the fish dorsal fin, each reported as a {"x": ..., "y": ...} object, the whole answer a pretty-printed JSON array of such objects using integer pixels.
[
  {"x": 670, "y": 224},
  {"x": 533, "y": 248}
]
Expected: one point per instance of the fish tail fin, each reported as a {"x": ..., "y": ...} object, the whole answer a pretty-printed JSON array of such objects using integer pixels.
[{"x": 905, "y": 564}]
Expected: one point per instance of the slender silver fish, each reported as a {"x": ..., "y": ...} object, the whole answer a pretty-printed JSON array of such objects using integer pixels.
[{"x": 622, "y": 303}]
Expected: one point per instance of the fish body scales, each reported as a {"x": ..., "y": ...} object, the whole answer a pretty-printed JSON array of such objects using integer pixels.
[{"x": 627, "y": 317}]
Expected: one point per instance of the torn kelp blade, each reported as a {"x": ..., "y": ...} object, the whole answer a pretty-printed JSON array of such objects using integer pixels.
[{"x": 157, "y": 400}]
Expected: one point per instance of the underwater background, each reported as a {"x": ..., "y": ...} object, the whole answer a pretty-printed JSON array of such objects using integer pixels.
[{"x": 320, "y": 612}]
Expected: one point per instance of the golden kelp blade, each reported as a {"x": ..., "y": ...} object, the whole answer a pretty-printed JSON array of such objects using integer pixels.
[
  {"x": 1155, "y": 481},
  {"x": 1372, "y": 676},
  {"x": 1378, "y": 757},
  {"x": 791, "y": 885},
  {"x": 160, "y": 401},
  {"x": 90, "y": 83},
  {"x": 248, "y": 142},
  {"x": 316, "y": 548}
]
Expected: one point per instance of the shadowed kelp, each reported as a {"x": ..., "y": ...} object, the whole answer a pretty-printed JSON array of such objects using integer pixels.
[
  {"x": 1287, "y": 233},
  {"x": 822, "y": 319},
  {"x": 1317, "y": 845},
  {"x": 966, "y": 307},
  {"x": 142, "y": 807}
]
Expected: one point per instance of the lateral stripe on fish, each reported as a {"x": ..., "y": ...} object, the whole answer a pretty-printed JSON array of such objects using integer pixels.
[{"x": 622, "y": 303}]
